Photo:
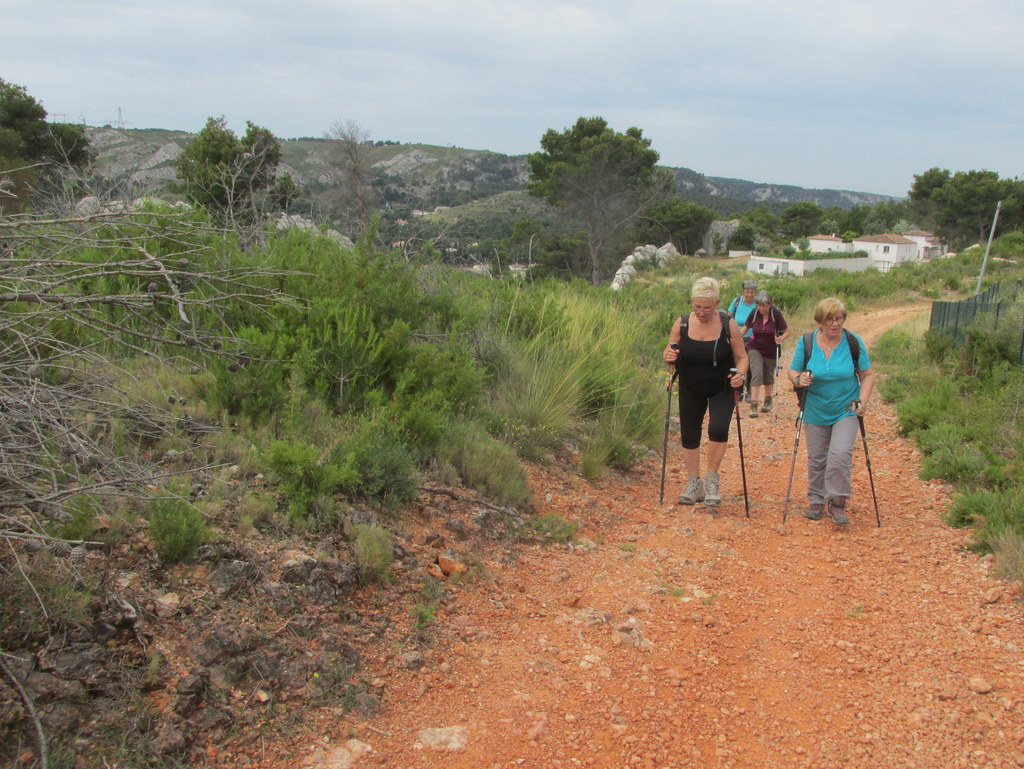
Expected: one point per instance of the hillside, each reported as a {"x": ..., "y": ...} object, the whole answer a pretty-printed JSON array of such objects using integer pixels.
[{"x": 419, "y": 175}]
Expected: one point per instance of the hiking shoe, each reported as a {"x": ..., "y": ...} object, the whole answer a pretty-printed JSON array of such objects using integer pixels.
[
  {"x": 814, "y": 512},
  {"x": 837, "y": 511},
  {"x": 767, "y": 407},
  {"x": 712, "y": 495},
  {"x": 753, "y": 409},
  {"x": 694, "y": 491}
]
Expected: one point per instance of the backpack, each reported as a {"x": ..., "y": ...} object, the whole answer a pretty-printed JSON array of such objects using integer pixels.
[
  {"x": 725, "y": 336},
  {"x": 734, "y": 305},
  {"x": 850, "y": 339},
  {"x": 750, "y": 320}
]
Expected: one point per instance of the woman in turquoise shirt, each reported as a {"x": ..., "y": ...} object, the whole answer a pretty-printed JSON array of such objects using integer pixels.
[{"x": 838, "y": 392}]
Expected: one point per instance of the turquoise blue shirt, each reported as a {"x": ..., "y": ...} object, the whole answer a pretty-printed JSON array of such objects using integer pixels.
[
  {"x": 740, "y": 310},
  {"x": 835, "y": 385}
]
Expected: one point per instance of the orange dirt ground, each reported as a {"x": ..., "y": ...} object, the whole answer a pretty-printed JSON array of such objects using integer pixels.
[{"x": 671, "y": 637}]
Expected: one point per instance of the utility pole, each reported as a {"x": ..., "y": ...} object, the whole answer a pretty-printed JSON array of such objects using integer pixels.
[{"x": 984, "y": 261}]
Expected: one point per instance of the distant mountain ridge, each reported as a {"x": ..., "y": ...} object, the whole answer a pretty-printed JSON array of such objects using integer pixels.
[{"x": 141, "y": 161}]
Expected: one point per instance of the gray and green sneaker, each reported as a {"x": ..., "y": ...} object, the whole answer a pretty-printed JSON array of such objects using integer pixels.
[
  {"x": 814, "y": 512},
  {"x": 694, "y": 491},
  {"x": 713, "y": 493}
]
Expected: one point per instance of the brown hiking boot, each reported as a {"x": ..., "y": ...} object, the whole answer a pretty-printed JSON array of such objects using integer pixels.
[{"x": 837, "y": 510}]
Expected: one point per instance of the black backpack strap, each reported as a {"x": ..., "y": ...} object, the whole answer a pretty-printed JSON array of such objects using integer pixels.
[
  {"x": 808, "y": 341},
  {"x": 851, "y": 340}
]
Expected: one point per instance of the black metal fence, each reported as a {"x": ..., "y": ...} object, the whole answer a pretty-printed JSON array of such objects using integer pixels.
[{"x": 996, "y": 308}]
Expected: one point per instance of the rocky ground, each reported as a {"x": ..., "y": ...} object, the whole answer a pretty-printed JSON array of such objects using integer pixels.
[{"x": 663, "y": 636}]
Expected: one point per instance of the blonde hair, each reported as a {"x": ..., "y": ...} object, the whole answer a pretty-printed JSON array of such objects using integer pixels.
[
  {"x": 705, "y": 288},
  {"x": 829, "y": 306}
]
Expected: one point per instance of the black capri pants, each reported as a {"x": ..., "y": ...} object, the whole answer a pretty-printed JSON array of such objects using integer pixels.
[{"x": 692, "y": 408}]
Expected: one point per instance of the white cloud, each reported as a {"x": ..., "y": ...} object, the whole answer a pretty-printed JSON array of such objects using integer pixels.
[{"x": 856, "y": 94}]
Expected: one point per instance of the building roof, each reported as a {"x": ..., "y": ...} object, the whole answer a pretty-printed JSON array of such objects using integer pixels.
[
  {"x": 826, "y": 237},
  {"x": 886, "y": 237}
]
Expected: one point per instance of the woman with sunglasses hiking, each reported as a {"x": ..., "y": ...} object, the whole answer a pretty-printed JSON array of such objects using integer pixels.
[
  {"x": 704, "y": 346},
  {"x": 770, "y": 330},
  {"x": 836, "y": 371}
]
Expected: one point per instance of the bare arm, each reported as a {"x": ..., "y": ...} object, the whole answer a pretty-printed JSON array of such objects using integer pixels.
[
  {"x": 739, "y": 354},
  {"x": 670, "y": 354}
]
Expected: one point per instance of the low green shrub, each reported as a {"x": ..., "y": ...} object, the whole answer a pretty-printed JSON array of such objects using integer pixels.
[
  {"x": 957, "y": 463},
  {"x": 380, "y": 468},
  {"x": 932, "y": 402},
  {"x": 1004, "y": 514},
  {"x": 938, "y": 344},
  {"x": 897, "y": 387},
  {"x": 552, "y": 528},
  {"x": 488, "y": 466},
  {"x": 176, "y": 528},
  {"x": 307, "y": 476},
  {"x": 374, "y": 553},
  {"x": 988, "y": 345}
]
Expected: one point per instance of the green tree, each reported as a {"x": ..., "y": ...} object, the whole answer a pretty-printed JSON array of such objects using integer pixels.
[
  {"x": 675, "y": 221},
  {"x": 230, "y": 177},
  {"x": 601, "y": 179},
  {"x": 800, "y": 220},
  {"x": 743, "y": 239},
  {"x": 31, "y": 149},
  {"x": 961, "y": 206}
]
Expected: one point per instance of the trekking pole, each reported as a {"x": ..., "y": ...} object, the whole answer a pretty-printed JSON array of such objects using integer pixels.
[
  {"x": 867, "y": 458},
  {"x": 801, "y": 397},
  {"x": 664, "y": 448},
  {"x": 778, "y": 368},
  {"x": 739, "y": 435}
]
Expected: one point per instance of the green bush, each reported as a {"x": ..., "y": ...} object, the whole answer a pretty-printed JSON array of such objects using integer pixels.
[
  {"x": 379, "y": 467},
  {"x": 897, "y": 387},
  {"x": 986, "y": 345},
  {"x": 488, "y": 466},
  {"x": 938, "y": 345},
  {"x": 373, "y": 551},
  {"x": 176, "y": 528},
  {"x": 932, "y": 402},
  {"x": 308, "y": 477},
  {"x": 957, "y": 463},
  {"x": 552, "y": 528}
]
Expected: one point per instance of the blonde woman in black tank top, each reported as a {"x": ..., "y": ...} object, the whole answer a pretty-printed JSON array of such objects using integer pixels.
[{"x": 703, "y": 356}]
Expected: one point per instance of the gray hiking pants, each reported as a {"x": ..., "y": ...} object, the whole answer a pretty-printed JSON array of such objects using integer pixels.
[{"x": 830, "y": 459}]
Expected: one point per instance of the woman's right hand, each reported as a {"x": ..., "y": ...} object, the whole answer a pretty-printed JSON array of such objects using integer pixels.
[
  {"x": 804, "y": 380},
  {"x": 670, "y": 354}
]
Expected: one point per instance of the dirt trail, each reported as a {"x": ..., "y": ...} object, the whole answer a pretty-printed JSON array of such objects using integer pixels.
[{"x": 675, "y": 638}]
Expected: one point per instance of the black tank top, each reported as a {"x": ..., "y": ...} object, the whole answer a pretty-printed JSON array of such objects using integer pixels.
[{"x": 704, "y": 366}]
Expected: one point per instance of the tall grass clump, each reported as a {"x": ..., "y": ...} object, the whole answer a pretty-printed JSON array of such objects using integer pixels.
[{"x": 578, "y": 357}]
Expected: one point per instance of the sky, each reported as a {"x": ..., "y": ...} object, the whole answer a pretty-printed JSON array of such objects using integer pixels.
[{"x": 856, "y": 95}]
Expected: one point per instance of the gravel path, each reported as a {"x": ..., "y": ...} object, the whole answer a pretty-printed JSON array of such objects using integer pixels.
[{"x": 671, "y": 637}]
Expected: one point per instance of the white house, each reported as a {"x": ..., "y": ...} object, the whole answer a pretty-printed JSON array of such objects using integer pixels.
[
  {"x": 928, "y": 244},
  {"x": 823, "y": 244},
  {"x": 887, "y": 249}
]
